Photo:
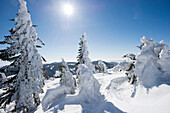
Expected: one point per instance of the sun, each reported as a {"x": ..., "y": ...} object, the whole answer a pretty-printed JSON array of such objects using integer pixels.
[{"x": 68, "y": 9}]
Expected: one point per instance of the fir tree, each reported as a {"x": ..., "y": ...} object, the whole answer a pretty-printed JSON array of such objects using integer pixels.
[
  {"x": 66, "y": 76},
  {"x": 27, "y": 83},
  {"x": 83, "y": 57}
]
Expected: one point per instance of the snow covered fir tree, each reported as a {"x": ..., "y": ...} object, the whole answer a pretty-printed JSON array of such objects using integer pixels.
[
  {"x": 25, "y": 86},
  {"x": 89, "y": 87},
  {"x": 83, "y": 57},
  {"x": 149, "y": 67},
  {"x": 66, "y": 76},
  {"x": 101, "y": 67}
]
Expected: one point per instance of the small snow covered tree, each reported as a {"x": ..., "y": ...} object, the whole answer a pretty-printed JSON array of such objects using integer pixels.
[
  {"x": 28, "y": 80},
  {"x": 83, "y": 57},
  {"x": 130, "y": 71},
  {"x": 101, "y": 66},
  {"x": 66, "y": 76},
  {"x": 89, "y": 87}
]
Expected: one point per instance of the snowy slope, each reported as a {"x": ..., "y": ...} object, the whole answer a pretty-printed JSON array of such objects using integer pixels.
[{"x": 119, "y": 94}]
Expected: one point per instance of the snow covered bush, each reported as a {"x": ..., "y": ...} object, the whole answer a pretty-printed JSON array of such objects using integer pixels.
[
  {"x": 28, "y": 79},
  {"x": 101, "y": 67},
  {"x": 66, "y": 76},
  {"x": 83, "y": 57},
  {"x": 89, "y": 87},
  {"x": 147, "y": 68}
]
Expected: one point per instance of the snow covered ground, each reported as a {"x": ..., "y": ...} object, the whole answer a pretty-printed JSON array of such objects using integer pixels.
[{"x": 119, "y": 95}]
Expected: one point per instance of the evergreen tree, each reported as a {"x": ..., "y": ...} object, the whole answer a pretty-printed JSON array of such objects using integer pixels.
[
  {"x": 27, "y": 83},
  {"x": 83, "y": 57},
  {"x": 66, "y": 76},
  {"x": 101, "y": 66}
]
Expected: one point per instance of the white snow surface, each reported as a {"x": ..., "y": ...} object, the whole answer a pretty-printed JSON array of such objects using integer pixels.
[{"x": 119, "y": 96}]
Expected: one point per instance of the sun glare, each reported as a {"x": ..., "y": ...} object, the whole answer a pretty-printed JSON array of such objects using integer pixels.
[{"x": 68, "y": 9}]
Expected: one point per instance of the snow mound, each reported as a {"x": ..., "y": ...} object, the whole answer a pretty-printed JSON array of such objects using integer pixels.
[
  {"x": 54, "y": 94},
  {"x": 121, "y": 89}
]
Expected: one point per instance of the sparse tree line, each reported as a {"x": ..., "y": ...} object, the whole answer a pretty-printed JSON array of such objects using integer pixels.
[{"x": 24, "y": 87}]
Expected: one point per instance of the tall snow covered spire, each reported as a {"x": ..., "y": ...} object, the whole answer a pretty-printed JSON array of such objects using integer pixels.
[
  {"x": 28, "y": 82},
  {"x": 89, "y": 87},
  {"x": 83, "y": 57}
]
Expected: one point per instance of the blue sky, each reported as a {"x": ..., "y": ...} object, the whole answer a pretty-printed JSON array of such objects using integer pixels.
[{"x": 113, "y": 27}]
